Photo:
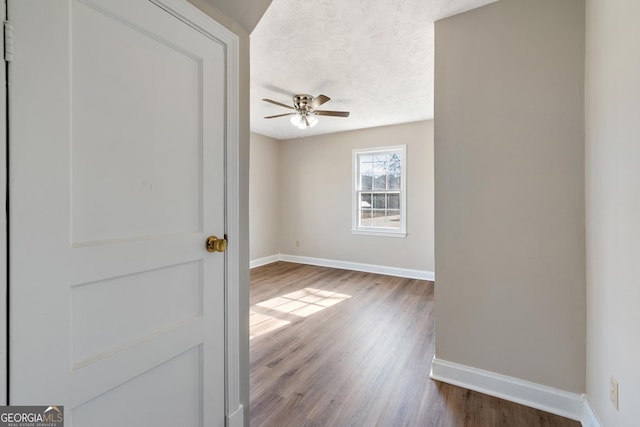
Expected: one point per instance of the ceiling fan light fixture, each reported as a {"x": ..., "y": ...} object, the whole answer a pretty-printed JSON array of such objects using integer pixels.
[
  {"x": 296, "y": 120},
  {"x": 303, "y": 121}
]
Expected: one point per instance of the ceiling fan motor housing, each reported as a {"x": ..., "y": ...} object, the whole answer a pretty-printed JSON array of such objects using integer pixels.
[{"x": 302, "y": 102}]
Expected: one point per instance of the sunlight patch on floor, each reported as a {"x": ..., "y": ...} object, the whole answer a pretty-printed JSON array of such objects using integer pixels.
[{"x": 302, "y": 303}]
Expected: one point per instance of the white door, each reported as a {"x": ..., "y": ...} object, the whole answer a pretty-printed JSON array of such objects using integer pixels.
[{"x": 117, "y": 128}]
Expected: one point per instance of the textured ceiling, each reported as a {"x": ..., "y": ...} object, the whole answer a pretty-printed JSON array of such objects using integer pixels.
[{"x": 373, "y": 58}]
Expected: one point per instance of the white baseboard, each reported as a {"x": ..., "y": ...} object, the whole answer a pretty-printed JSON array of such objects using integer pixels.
[
  {"x": 346, "y": 265},
  {"x": 237, "y": 418},
  {"x": 264, "y": 261},
  {"x": 356, "y": 266},
  {"x": 589, "y": 418},
  {"x": 548, "y": 399}
]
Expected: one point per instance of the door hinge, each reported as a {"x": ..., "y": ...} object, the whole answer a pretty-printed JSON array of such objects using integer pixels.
[{"x": 8, "y": 41}]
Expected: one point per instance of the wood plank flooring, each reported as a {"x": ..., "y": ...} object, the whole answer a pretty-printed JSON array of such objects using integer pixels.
[{"x": 342, "y": 348}]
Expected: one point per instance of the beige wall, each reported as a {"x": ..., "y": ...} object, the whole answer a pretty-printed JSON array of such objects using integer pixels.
[
  {"x": 316, "y": 196},
  {"x": 243, "y": 195},
  {"x": 264, "y": 197},
  {"x": 613, "y": 207},
  {"x": 510, "y": 252}
]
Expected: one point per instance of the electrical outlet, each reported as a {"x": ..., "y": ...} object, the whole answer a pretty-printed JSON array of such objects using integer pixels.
[
  {"x": 613, "y": 392},
  {"x": 297, "y": 243}
]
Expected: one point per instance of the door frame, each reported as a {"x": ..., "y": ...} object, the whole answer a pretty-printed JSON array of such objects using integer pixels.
[
  {"x": 4, "y": 260},
  {"x": 206, "y": 25}
]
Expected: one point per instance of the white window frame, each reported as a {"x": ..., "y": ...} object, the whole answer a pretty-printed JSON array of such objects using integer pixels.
[{"x": 355, "y": 190}]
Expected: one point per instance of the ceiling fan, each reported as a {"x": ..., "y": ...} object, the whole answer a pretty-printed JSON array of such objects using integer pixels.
[{"x": 305, "y": 110}]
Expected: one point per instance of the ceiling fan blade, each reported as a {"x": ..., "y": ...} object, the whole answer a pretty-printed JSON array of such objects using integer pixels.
[
  {"x": 332, "y": 113},
  {"x": 318, "y": 101},
  {"x": 278, "y": 103},
  {"x": 280, "y": 115}
]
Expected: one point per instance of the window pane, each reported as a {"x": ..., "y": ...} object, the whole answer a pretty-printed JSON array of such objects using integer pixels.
[
  {"x": 394, "y": 181},
  {"x": 387, "y": 219},
  {"x": 379, "y": 201},
  {"x": 395, "y": 171},
  {"x": 366, "y": 182},
  {"x": 393, "y": 219},
  {"x": 393, "y": 201},
  {"x": 366, "y": 171},
  {"x": 380, "y": 176},
  {"x": 380, "y": 182},
  {"x": 365, "y": 218},
  {"x": 365, "y": 200},
  {"x": 395, "y": 157},
  {"x": 381, "y": 219},
  {"x": 393, "y": 216},
  {"x": 377, "y": 218}
]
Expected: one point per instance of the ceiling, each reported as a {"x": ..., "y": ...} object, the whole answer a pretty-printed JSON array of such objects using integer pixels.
[{"x": 373, "y": 58}]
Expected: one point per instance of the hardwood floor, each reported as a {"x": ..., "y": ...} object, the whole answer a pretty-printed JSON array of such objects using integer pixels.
[{"x": 343, "y": 348}]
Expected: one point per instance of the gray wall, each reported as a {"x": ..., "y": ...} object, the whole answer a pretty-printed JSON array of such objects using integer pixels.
[
  {"x": 264, "y": 197},
  {"x": 613, "y": 207},
  {"x": 316, "y": 198},
  {"x": 509, "y": 178}
]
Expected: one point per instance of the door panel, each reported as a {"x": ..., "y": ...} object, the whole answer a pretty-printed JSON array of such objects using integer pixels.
[
  {"x": 184, "y": 397},
  {"x": 102, "y": 321},
  {"x": 160, "y": 85},
  {"x": 117, "y": 177}
]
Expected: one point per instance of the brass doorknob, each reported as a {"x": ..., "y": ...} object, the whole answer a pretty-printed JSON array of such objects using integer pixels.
[{"x": 216, "y": 245}]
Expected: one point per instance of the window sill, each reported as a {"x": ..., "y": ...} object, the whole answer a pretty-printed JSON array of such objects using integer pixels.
[{"x": 380, "y": 233}]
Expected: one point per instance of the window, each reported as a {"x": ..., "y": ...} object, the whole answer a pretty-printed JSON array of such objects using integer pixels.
[{"x": 379, "y": 191}]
